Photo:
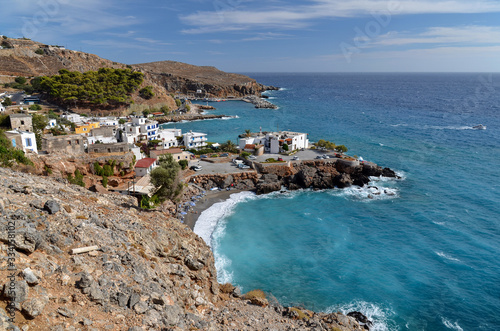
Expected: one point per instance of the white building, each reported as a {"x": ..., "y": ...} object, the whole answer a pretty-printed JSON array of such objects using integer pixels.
[
  {"x": 169, "y": 137},
  {"x": 75, "y": 118},
  {"x": 273, "y": 142},
  {"x": 148, "y": 128},
  {"x": 52, "y": 124},
  {"x": 108, "y": 121},
  {"x": 22, "y": 140},
  {"x": 195, "y": 140}
]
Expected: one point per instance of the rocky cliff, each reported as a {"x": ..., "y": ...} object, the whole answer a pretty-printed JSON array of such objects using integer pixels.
[{"x": 139, "y": 270}]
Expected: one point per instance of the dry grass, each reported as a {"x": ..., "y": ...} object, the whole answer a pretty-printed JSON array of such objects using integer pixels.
[
  {"x": 301, "y": 314},
  {"x": 226, "y": 288}
]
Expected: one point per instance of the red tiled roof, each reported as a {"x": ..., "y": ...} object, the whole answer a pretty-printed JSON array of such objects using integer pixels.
[
  {"x": 249, "y": 146},
  {"x": 289, "y": 139},
  {"x": 145, "y": 163}
]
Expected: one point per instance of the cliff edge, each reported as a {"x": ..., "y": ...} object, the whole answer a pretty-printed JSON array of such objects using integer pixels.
[{"x": 139, "y": 270}]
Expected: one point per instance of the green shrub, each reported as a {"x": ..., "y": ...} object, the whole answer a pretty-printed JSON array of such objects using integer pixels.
[
  {"x": 245, "y": 154},
  {"x": 105, "y": 181},
  {"x": 107, "y": 170},
  {"x": 35, "y": 107},
  {"x": 40, "y": 51},
  {"x": 77, "y": 180},
  {"x": 178, "y": 102},
  {"x": 98, "y": 169},
  {"x": 183, "y": 164}
]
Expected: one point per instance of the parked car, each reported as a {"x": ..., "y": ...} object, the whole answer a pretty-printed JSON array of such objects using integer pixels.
[
  {"x": 196, "y": 168},
  {"x": 319, "y": 157},
  {"x": 280, "y": 159},
  {"x": 295, "y": 158},
  {"x": 252, "y": 157},
  {"x": 224, "y": 155},
  {"x": 203, "y": 156},
  {"x": 243, "y": 166}
]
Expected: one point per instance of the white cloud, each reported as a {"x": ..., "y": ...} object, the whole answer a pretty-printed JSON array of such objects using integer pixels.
[
  {"x": 441, "y": 35},
  {"x": 237, "y": 18}
]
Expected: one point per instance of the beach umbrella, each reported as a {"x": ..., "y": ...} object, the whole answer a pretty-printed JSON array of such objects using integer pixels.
[
  {"x": 183, "y": 213},
  {"x": 193, "y": 204}
]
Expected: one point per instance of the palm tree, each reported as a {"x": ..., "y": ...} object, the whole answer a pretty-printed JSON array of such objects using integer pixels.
[
  {"x": 248, "y": 132},
  {"x": 229, "y": 146}
]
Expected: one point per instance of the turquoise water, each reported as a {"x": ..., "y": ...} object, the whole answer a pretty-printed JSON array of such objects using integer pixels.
[{"x": 426, "y": 256}]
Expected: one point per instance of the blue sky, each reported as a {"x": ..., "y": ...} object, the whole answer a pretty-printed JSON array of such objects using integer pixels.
[{"x": 272, "y": 35}]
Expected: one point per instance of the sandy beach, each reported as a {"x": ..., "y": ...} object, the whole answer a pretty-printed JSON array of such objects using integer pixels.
[{"x": 205, "y": 203}]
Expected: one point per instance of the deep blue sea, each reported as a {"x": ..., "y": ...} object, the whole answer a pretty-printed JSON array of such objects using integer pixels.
[{"x": 425, "y": 258}]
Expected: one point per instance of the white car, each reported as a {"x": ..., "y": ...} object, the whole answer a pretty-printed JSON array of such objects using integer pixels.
[
  {"x": 295, "y": 158},
  {"x": 252, "y": 157}
]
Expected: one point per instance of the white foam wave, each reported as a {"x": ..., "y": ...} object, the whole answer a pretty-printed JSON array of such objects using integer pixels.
[
  {"x": 283, "y": 89},
  {"x": 400, "y": 124},
  {"x": 367, "y": 193},
  {"x": 449, "y": 127},
  {"x": 450, "y": 325},
  {"x": 447, "y": 257},
  {"x": 378, "y": 315},
  {"x": 207, "y": 222}
]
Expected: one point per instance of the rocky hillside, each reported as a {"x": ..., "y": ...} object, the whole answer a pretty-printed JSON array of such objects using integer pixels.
[
  {"x": 29, "y": 58},
  {"x": 177, "y": 76},
  {"x": 139, "y": 270}
]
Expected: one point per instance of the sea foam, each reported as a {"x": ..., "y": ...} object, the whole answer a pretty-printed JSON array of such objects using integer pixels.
[{"x": 378, "y": 315}]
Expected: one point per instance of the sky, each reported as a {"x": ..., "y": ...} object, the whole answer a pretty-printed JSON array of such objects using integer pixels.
[{"x": 271, "y": 35}]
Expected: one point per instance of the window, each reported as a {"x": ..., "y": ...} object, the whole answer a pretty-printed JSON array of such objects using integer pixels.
[
  {"x": 69, "y": 142},
  {"x": 78, "y": 142},
  {"x": 22, "y": 122},
  {"x": 109, "y": 150},
  {"x": 13, "y": 142},
  {"x": 95, "y": 150},
  {"x": 28, "y": 142},
  {"x": 121, "y": 149}
]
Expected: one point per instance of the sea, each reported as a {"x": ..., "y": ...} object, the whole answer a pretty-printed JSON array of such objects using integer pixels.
[{"x": 422, "y": 255}]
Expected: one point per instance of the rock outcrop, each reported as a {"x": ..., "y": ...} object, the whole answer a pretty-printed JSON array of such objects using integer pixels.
[{"x": 149, "y": 272}]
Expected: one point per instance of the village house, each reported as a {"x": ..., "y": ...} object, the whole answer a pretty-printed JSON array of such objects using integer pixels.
[
  {"x": 108, "y": 148},
  {"x": 22, "y": 140},
  {"x": 85, "y": 128},
  {"x": 140, "y": 129},
  {"x": 21, "y": 122},
  {"x": 168, "y": 137},
  {"x": 274, "y": 142},
  {"x": 144, "y": 166},
  {"x": 74, "y": 118},
  {"x": 177, "y": 153},
  {"x": 196, "y": 140},
  {"x": 69, "y": 144},
  {"x": 52, "y": 124}
]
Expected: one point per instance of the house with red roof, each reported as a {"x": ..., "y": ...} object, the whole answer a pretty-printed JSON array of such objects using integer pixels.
[{"x": 144, "y": 166}]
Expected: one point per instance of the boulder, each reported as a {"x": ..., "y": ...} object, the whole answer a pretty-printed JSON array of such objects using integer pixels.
[
  {"x": 342, "y": 180},
  {"x": 52, "y": 206}
]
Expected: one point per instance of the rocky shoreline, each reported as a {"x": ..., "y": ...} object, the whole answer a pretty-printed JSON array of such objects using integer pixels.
[
  {"x": 188, "y": 117},
  {"x": 314, "y": 174},
  {"x": 259, "y": 103}
]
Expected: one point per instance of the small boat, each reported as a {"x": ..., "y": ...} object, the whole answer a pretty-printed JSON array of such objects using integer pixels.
[{"x": 479, "y": 127}]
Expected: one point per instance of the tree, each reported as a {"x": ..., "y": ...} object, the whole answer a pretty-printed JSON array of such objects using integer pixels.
[
  {"x": 39, "y": 124},
  {"x": 122, "y": 121},
  {"x": 165, "y": 178},
  {"x": 341, "y": 148},
  {"x": 248, "y": 132},
  {"x": 165, "y": 110},
  {"x": 178, "y": 102},
  {"x": 229, "y": 146},
  {"x": 7, "y": 102},
  {"x": 20, "y": 80},
  {"x": 285, "y": 147},
  {"x": 146, "y": 92}
]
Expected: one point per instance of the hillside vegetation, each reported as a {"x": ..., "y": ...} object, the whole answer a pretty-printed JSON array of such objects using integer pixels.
[{"x": 106, "y": 86}]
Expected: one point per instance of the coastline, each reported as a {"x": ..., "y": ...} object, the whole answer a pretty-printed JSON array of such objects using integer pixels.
[{"x": 211, "y": 198}]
